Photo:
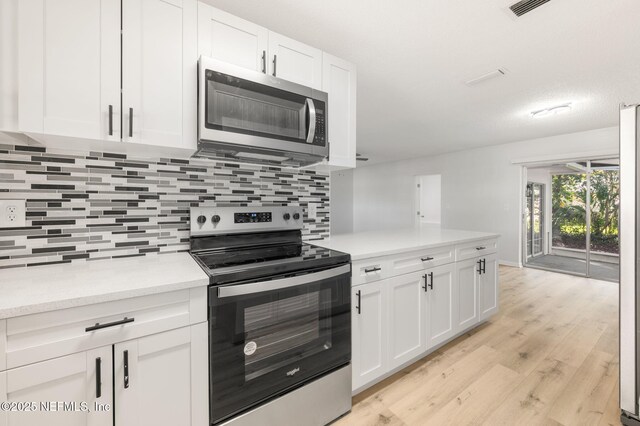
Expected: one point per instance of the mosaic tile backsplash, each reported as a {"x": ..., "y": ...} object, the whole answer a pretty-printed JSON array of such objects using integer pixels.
[{"x": 97, "y": 205}]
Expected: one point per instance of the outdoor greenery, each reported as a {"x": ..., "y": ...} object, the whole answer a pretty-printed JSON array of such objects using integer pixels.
[{"x": 569, "y": 200}]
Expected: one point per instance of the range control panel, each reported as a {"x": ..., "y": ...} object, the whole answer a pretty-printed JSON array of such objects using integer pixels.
[
  {"x": 252, "y": 217},
  {"x": 220, "y": 220}
]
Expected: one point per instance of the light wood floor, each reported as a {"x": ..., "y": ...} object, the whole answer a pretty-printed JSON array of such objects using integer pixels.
[{"x": 550, "y": 357}]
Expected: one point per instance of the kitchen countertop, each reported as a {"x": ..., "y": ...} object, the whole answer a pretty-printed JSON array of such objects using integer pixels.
[
  {"x": 364, "y": 245},
  {"x": 36, "y": 289}
]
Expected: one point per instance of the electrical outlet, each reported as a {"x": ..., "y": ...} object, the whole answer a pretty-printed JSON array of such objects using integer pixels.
[{"x": 12, "y": 213}]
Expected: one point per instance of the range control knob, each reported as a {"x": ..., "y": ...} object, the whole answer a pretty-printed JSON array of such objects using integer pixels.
[
  {"x": 215, "y": 218},
  {"x": 201, "y": 220},
  {"x": 286, "y": 216},
  {"x": 296, "y": 216}
]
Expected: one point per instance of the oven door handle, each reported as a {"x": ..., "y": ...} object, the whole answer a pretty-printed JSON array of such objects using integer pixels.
[{"x": 259, "y": 287}]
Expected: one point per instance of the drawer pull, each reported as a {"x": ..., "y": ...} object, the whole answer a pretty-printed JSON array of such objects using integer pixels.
[
  {"x": 426, "y": 259},
  {"x": 480, "y": 248},
  {"x": 374, "y": 269},
  {"x": 98, "y": 326}
]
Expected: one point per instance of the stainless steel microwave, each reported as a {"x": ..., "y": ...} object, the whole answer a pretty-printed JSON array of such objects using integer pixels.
[{"x": 249, "y": 116}]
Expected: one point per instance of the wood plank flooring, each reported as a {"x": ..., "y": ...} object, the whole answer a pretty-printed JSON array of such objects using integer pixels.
[{"x": 550, "y": 357}]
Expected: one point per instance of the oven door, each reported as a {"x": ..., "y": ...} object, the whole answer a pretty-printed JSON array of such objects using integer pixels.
[
  {"x": 245, "y": 107},
  {"x": 268, "y": 337}
]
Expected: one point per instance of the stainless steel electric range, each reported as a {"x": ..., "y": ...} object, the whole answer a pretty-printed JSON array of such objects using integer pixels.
[{"x": 279, "y": 318}]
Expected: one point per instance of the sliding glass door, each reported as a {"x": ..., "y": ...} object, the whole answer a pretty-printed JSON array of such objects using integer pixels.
[{"x": 581, "y": 236}]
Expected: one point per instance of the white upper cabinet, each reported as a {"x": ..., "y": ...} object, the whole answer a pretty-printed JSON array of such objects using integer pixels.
[
  {"x": 339, "y": 81},
  {"x": 159, "y": 63},
  {"x": 69, "y": 68},
  {"x": 294, "y": 61},
  {"x": 230, "y": 39}
]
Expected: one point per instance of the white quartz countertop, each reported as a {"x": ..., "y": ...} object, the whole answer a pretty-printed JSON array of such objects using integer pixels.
[
  {"x": 30, "y": 290},
  {"x": 365, "y": 245}
]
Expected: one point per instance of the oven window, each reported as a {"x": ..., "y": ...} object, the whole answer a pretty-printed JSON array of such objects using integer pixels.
[{"x": 282, "y": 331}]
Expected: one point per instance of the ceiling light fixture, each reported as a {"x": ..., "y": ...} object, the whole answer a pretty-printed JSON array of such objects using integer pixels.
[{"x": 555, "y": 110}]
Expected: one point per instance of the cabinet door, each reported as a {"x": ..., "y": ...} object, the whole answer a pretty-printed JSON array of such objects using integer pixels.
[
  {"x": 339, "y": 81},
  {"x": 231, "y": 39},
  {"x": 294, "y": 61},
  {"x": 159, "y": 72},
  {"x": 70, "y": 379},
  {"x": 69, "y": 67},
  {"x": 154, "y": 377},
  {"x": 369, "y": 333},
  {"x": 407, "y": 326},
  {"x": 467, "y": 290},
  {"x": 441, "y": 308},
  {"x": 489, "y": 288}
]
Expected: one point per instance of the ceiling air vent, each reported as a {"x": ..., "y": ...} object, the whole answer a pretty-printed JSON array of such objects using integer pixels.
[{"x": 526, "y": 6}]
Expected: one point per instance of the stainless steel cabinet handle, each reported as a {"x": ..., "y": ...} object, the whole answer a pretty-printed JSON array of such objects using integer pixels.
[
  {"x": 358, "y": 306},
  {"x": 264, "y": 61},
  {"x": 130, "y": 122},
  {"x": 98, "y": 377},
  {"x": 110, "y": 120},
  {"x": 311, "y": 108},
  {"x": 125, "y": 355},
  {"x": 275, "y": 61}
]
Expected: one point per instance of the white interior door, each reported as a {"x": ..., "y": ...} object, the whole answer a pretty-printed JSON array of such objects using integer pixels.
[
  {"x": 69, "y": 67},
  {"x": 406, "y": 317},
  {"x": 295, "y": 61},
  {"x": 153, "y": 380},
  {"x": 159, "y": 76},
  {"x": 231, "y": 39},
  {"x": 72, "y": 379},
  {"x": 441, "y": 309}
]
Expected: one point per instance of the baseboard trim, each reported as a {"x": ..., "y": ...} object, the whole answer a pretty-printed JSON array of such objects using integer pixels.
[{"x": 509, "y": 263}]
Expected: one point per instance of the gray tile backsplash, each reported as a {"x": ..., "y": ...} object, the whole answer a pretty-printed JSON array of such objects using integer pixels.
[{"x": 97, "y": 205}]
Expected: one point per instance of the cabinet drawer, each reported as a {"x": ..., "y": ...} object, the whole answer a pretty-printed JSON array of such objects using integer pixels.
[
  {"x": 369, "y": 270},
  {"x": 475, "y": 249},
  {"x": 33, "y": 338},
  {"x": 416, "y": 261}
]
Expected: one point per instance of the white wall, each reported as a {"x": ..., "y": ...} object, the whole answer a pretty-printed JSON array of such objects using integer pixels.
[{"x": 481, "y": 188}]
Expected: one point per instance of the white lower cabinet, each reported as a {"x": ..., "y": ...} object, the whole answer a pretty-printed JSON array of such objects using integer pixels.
[
  {"x": 160, "y": 380},
  {"x": 467, "y": 289},
  {"x": 369, "y": 328},
  {"x": 441, "y": 310},
  {"x": 82, "y": 378},
  {"x": 403, "y": 317},
  {"x": 406, "y": 300},
  {"x": 489, "y": 289}
]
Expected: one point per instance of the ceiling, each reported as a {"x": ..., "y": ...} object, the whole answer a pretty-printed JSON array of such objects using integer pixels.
[{"x": 414, "y": 56}]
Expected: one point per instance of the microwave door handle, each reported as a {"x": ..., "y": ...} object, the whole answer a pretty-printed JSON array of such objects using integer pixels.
[
  {"x": 252, "y": 288},
  {"x": 311, "y": 107}
]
